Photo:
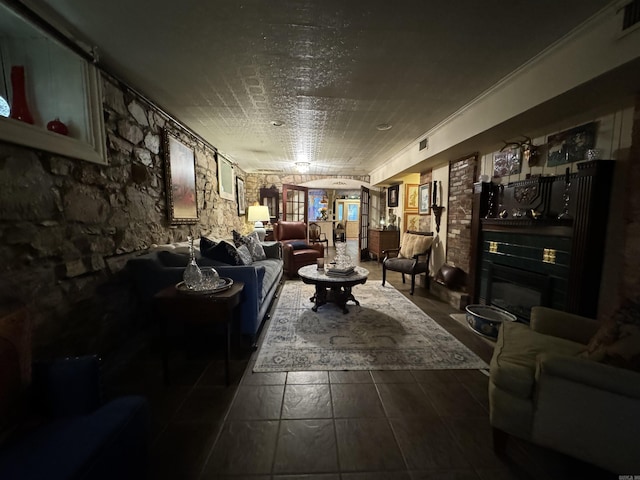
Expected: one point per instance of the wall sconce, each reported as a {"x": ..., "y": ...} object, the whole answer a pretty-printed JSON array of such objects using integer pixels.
[{"x": 437, "y": 210}]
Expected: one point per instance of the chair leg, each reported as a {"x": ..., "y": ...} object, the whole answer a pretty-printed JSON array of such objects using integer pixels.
[
  {"x": 403, "y": 278},
  {"x": 384, "y": 274},
  {"x": 413, "y": 284}
]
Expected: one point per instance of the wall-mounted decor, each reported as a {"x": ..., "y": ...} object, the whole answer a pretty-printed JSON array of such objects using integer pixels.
[
  {"x": 180, "y": 173},
  {"x": 425, "y": 199},
  {"x": 240, "y": 195},
  {"x": 411, "y": 197},
  {"x": 571, "y": 145},
  {"x": 411, "y": 222},
  {"x": 393, "y": 193},
  {"x": 507, "y": 162},
  {"x": 225, "y": 178}
]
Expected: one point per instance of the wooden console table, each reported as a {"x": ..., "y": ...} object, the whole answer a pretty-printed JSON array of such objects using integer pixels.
[
  {"x": 380, "y": 240},
  {"x": 194, "y": 310}
]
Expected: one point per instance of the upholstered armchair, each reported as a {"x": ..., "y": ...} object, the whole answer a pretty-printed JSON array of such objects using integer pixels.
[
  {"x": 412, "y": 258},
  {"x": 544, "y": 388},
  {"x": 296, "y": 250}
]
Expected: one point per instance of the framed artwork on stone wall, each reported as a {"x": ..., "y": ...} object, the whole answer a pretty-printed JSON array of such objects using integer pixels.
[
  {"x": 240, "y": 195},
  {"x": 225, "y": 178},
  {"x": 180, "y": 175}
]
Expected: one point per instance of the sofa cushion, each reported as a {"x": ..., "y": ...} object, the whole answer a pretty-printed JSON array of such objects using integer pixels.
[
  {"x": 513, "y": 365},
  {"x": 223, "y": 252},
  {"x": 413, "y": 244},
  {"x": 252, "y": 241},
  {"x": 272, "y": 268},
  {"x": 245, "y": 255}
]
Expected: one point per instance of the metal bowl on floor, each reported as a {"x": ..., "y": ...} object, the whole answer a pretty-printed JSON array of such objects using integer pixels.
[{"x": 486, "y": 319}]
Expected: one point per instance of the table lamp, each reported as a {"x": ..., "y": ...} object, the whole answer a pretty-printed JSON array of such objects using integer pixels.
[{"x": 257, "y": 214}]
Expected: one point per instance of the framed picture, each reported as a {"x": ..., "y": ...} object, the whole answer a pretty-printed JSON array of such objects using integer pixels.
[
  {"x": 424, "y": 198},
  {"x": 411, "y": 222},
  {"x": 507, "y": 162},
  {"x": 571, "y": 145},
  {"x": 240, "y": 196},
  {"x": 180, "y": 175},
  {"x": 392, "y": 195},
  {"x": 411, "y": 198},
  {"x": 225, "y": 178}
]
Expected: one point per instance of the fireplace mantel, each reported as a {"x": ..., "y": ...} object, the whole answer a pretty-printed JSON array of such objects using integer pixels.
[{"x": 517, "y": 226}]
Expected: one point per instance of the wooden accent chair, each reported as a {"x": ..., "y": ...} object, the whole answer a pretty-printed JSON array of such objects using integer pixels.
[
  {"x": 317, "y": 236},
  {"x": 296, "y": 251},
  {"x": 412, "y": 258}
]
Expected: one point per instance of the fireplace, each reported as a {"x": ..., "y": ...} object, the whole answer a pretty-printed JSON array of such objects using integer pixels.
[
  {"x": 516, "y": 291},
  {"x": 525, "y": 253}
]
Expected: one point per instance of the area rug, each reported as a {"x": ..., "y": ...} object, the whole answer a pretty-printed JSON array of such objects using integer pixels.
[{"x": 386, "y": 332}]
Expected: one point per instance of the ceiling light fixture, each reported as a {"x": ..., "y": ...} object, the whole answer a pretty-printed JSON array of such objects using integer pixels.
[
  {"x": 303, "y": 167},
  {"x": 383, "y": 127}
]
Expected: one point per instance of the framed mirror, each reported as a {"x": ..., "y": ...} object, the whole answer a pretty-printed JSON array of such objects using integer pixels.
[{"x": 271, "y": 198}]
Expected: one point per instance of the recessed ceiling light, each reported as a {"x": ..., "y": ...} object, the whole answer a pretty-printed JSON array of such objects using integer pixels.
[
  {"x": 383, "y": 126},
  {"x": 277, "y": 123}
]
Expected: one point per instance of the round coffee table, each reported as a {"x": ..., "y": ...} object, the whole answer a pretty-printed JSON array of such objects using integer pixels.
[{"x": 332, "y": 288}]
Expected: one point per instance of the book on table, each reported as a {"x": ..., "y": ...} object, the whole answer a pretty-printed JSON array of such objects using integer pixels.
[{"x": 341, "y": 271}]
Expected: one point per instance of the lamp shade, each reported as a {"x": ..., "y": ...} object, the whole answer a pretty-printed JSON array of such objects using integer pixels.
[{"x": 258, "y": 213}]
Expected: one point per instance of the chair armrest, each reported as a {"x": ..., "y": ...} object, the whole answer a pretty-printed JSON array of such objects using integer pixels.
[
  {"x": 587, "y": 372},
  {"x": 67, "y": 387},
  {"x": 557, "y": 323}
]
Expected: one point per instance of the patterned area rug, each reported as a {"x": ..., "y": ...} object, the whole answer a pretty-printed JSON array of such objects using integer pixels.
[{"x": 386, "y": 332}]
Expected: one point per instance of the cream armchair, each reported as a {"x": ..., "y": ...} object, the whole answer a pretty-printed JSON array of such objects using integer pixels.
[{"x": 541, "y": 389}]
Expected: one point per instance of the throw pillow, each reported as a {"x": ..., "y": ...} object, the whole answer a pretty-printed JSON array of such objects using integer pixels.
[
  {"x": 299, "y": 245},
  {"x": 245, "y": 255},
  {"x": 223, "y": 252},
  {"x": 617, "y": 341},
  {"x": 252, "y": 241},
  {"x": 414, "y": 244}
]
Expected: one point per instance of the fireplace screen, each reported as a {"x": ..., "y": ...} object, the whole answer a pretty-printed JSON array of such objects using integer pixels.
[{"x": 516, "y": 291}]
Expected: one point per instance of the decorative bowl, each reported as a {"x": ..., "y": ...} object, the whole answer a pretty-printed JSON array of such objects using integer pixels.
[{"x": 486, "y": 319}]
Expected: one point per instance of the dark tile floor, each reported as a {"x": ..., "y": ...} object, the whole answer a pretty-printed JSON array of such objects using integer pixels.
[{"x": 374, "y": 425}]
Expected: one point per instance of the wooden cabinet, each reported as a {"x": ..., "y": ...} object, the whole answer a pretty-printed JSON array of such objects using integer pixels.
[{"x": 380, "y": 240}]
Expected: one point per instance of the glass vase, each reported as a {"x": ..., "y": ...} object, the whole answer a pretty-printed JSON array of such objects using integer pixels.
[
  {"x": 19, "y": 107},
  {"x": 192, "y": 275}
]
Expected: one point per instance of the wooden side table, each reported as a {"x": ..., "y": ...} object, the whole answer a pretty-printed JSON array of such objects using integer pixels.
[{"x": 197, "y": 310}]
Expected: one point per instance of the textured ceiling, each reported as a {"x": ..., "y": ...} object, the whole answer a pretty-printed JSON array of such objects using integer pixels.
[{"x": 329, "y": 70}]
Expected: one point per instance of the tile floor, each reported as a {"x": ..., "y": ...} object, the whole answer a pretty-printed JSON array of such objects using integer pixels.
[{"x": 374, "y": 425}]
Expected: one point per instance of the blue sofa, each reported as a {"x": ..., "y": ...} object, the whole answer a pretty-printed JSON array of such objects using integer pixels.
[
  {"x": 69, "y": 433},
  {"x": 157, "y": 269}
]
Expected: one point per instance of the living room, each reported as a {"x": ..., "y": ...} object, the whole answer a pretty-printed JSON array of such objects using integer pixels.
[{"x": 70, "y": 226}]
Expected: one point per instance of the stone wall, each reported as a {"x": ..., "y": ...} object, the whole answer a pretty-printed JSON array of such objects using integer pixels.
[
  {"x": 68, "y": 227},
  {"x": 462, "y": 173}
]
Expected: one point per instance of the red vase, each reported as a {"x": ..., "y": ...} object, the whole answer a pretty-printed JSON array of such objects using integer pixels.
[{"x": 19, "y": 107}]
